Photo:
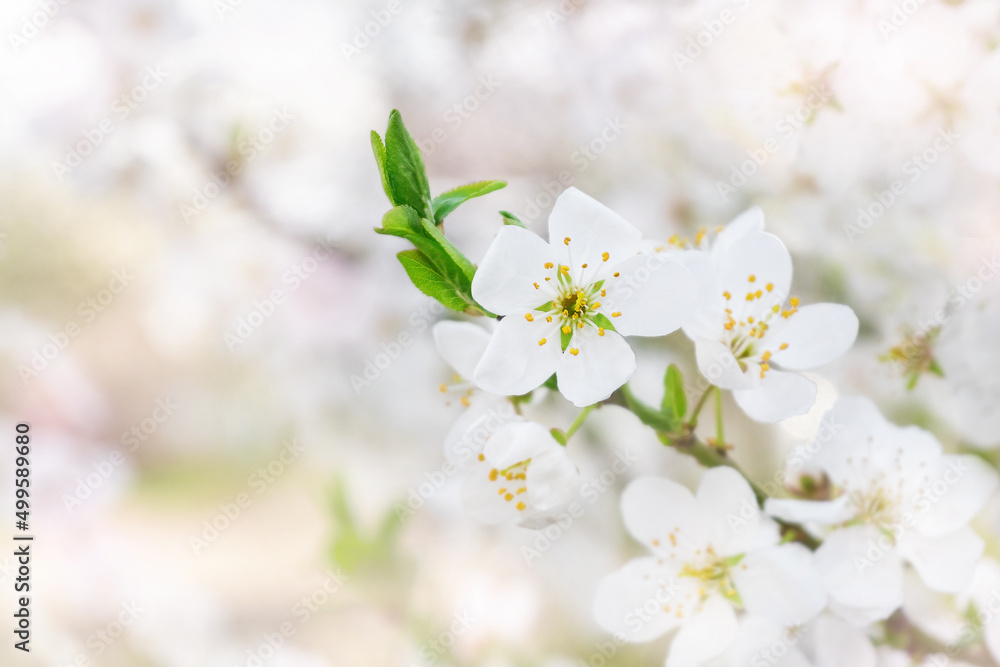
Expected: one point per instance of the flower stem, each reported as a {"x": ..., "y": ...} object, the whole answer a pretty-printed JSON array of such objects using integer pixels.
[
  {"x": 578, "y": 422},
  {"x": 720, "y": 435},
  {"x": 693, "y": 421}
]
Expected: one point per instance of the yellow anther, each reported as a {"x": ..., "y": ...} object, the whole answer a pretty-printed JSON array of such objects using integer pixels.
[
  {"x": 548, "y": 278},
  {"x": 727, "y": 296},
  {"x": 752, "y": 278},
  {"x": 482, "y": 457},
  {"x": 794, "y": 301},
  {"x": 566, "y": 240},
  {"x": 521, "y": 506},
  {"x": 597, "y": 304},
  {"x": 535, "y": 284},
  {"x": 529, "y": 317},
  {"x": 579, "y": 325},
  {"x": 464, "y": 401},
  {"x": 493, "y": 474},
  {"x": 567, "y": 329},
  {"x": 443, "y": 388},
  {"x": 783, "y": 346},
  {"x": 776, "y": 308},
  {"x": 503, "y": 490},
  {"x": 509, "y": 497},
  {"x": 564, "y": 269},
  {"x": 600, "y": 331},
  {"x": 617, "y": 313},
  {"x": 523, "y": 489},
  {"x": 605, "y": 256},
  {"x": 750, "y": 319},
  {"x": 617, "y": 274},
  {"x": 565, "y": 313},
  {"x": 549, "y": 265},
  {"x": 765, "y": 367},
  {"x": 543, "y": 341},
  {"x": 759, "y": 294},
  {"x": 574, "y": 351},
  {"x": 548, "y": 318},
  {"x": 749, "y": 296},
  {"x": 583, "y": 266},
  {"x": 604, "y": 292},
  {"x": 766, "y": 356},
  {"x": 770, "y": 286}
]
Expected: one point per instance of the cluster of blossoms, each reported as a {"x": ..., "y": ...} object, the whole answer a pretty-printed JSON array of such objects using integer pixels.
[{"x": 877, "y": 522}]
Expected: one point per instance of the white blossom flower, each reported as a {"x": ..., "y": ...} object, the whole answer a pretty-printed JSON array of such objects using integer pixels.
[
  {"x": 461, "y": 345},
  {"x": 713, "y": 553},
  {"x": 749, "y": 336},
  {"x": 568, "y": 303},
  {"x": 514, "y": 470},
  {"x": 896, "y": 498}
]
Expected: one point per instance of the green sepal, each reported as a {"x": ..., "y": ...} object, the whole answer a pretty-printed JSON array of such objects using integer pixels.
[
  {"x": 447, "y": 202},
  {"x": 674, "y": 404},
  {"x": 601, "y": 320},
  {"x": 565, "y": 338},
  {"x": 511, "y": 219},
  {"x": 559, "y": 436}
]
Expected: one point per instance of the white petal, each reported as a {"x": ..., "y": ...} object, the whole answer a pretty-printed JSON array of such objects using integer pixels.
[
  {"x": 780, "y": 583},
  {"x": 518, "y": 442},
  {"x": 760, "y": 255},
  {"x": 838, "y": 644},
  {"x": 822, "y": 512},
  {"x": 631, "y": 601},
  {"x": 709, "y": 633},
  {"x": 969, "y": 482},
  {"x": 709, "y": 312},
  {"x": 504, "y": 281},
  {"x": 764, "y": 643},
  {"x": 853, "y": 424},
  {"x": 776, "y": 396},
  {"x": 944, "y": 563},
  {"x": 816, "y": 335},
  {"x": 655, "y": 508},
  {"x": 603, "y": 364},
  {"x": 654, "y": 294},
  {"x": 728, "y": 509},
  {"x": 933, "y": 612},
  {"x": 481, "y": 501},
  {"x": 864, "y": 581},
  {"x": 552, "y": 479},
  {"x": 514, "y": 363},
  {"x": 468, "y": 436},
  {"x": 593, "y": 229},
  {"x": 461, "y": 344},
  {"x": 717, "y": 363},
  {"x": 747, "y": 222}
]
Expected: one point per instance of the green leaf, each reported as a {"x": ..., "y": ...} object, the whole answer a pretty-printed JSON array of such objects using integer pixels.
[
  {"x": 453, "y": 253},
  {"x": 447, "y": 202},
  {"x": 379, "y": 149},
  {"x": 432, "y": 281},
  {"x": 401, "y": 221},
  {"x": 647, "y": 415},
  {"x": 601, "y": 320},
  {"x": 405, "y": 168},
  {"x": 511, "y": 219},
  {"x": 674, "y": 404}
]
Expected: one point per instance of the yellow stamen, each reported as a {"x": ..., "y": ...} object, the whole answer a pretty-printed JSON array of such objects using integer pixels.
[
  {"x": 543, "y": 341},
  {"x": 574, "y": 351},
  {"x": 605, "y": 257},
  {"x": 529, "y": 317}
]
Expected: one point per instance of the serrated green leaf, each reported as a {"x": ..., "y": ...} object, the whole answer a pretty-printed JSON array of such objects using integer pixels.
[
  {"x": 601, "y": 320},
  {"x": 647, "y": 415},
  {"x": 511, "y": 219},
  {"x": 401, "y": 221},
  {"x": 453, "y": 253},
  {"x": 379, "y": 149},
  {"x": 405, "y": 168},
  {"x": 674, "y": 404},
  {"x": 430, "y": 280},
  {"x": 447, "y": 202}
]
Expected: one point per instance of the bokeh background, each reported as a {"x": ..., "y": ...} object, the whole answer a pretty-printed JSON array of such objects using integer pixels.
[{"x": 189, "y": 282}]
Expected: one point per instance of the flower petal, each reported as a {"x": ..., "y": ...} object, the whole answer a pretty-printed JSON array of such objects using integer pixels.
[
  {"x": 461, "y": 344},
  {"x": 654, "y": 294},
  {"x": 864, "y": 581},
  {"x": 717, "y": 363},
  {"x": 709, "y": 633},
  {"x": 553, "y": 480},
  {"x": 504, "y": 282},
  {"x": 778, "y": 395},
  {"x": 747, "y": 222},
  {"x": 780, "y": 583},
  {"x": 838, "y": 644},
  {"x": 603, "y": 364},
  {"x": 816, "y": 335},
  {"x": 728, "y": 509},
  {"x": 514, "y": 363},
  {"x": 970, "y": 483},
  {"x": 944, "y": 563},
  {"x": 760, "y": 255},
  {"x": 593, "y": 229},
  {"x": 470, "y": 432},
  {"x": 822, "y": 512},
  {"x": 935, "y": 613},
  {"x": 481, "y": 500},
  {"x": 663, "y": 515},
  {"x": 517, "y": 442},
  {"x": 632, "y": 600}
]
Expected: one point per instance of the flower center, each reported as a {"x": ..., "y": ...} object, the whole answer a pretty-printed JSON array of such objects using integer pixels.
[
  {"x": 714, "y": 573},
  {"x": 751, "y": 323},
  {"x": 511, "y": 482}
]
